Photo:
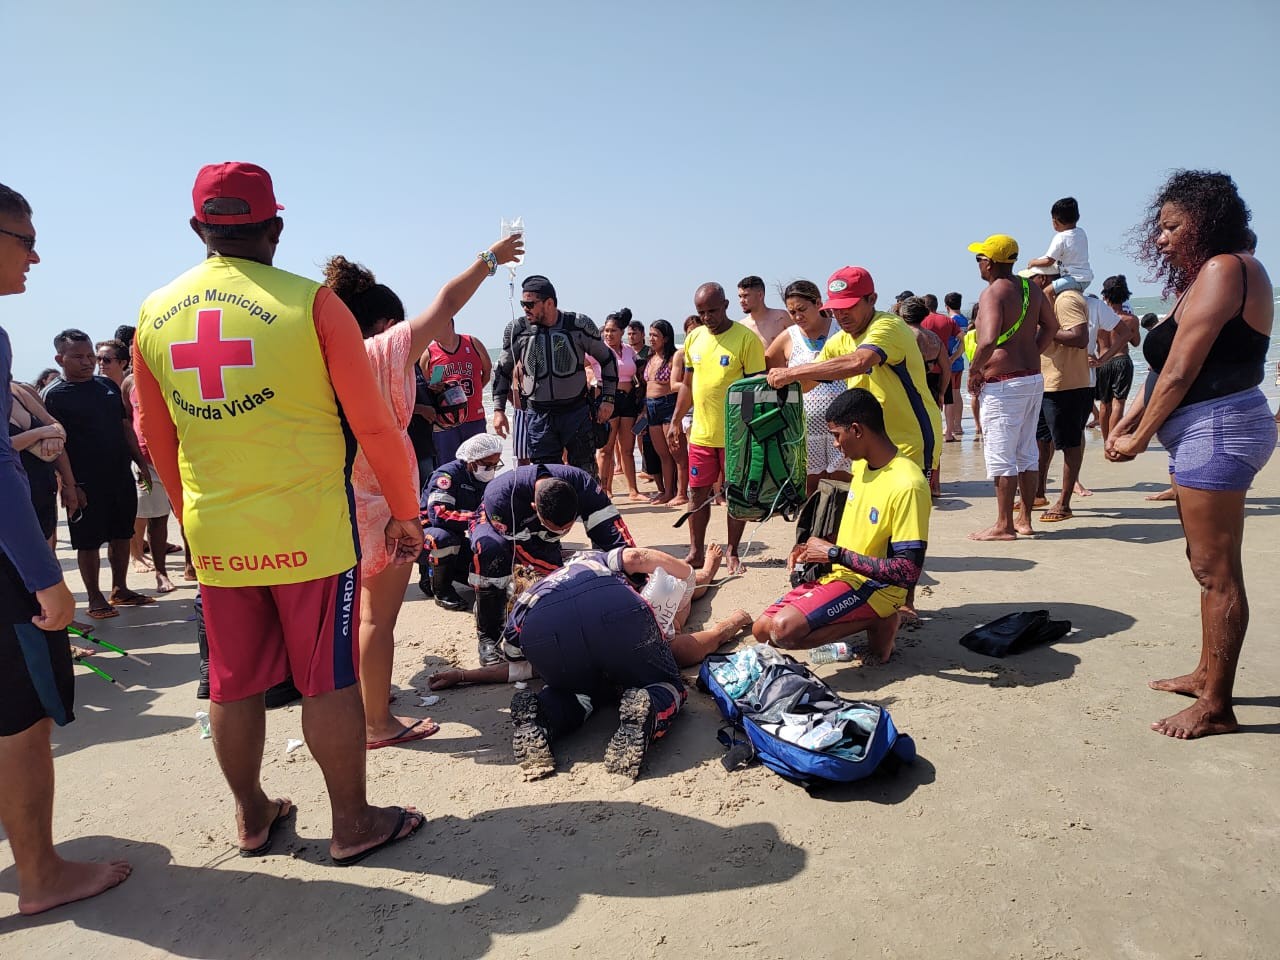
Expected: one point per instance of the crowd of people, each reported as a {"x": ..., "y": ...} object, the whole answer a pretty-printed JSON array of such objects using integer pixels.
[{"x": 315, "y": 442}]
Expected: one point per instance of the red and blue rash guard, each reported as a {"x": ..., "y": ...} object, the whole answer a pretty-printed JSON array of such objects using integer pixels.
[{"x": 508, "y": 507}]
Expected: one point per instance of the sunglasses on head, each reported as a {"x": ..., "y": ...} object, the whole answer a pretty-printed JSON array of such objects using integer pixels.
[{"x": 529, "y": 304}]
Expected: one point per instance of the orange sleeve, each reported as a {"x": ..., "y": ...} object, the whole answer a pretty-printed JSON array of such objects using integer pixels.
[
  {"x": 362, "y": 404},
  {"x": 158, "y": 430}
]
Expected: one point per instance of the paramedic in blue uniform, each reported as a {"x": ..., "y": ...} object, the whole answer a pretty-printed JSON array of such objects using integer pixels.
[
  {"x": 450, "y": 500},
  {"x": 546, "y": 354},
  {"x": 589, "y": 634},
  {"x": 522, "y": 518}
]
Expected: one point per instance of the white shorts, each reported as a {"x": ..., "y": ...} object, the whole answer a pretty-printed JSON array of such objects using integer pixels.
[
  {"x": 1010, "y": 411},
  {"x": 153, "y": 504},
  {"x": 821, "y": 453}
]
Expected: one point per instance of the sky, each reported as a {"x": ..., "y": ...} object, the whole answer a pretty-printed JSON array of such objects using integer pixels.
[{"x": 649, "y": 147}]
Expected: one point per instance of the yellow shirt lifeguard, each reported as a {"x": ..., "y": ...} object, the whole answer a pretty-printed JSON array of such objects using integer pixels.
[
  {"x": 911, "y": 417},
  {"x": 249, "y": 378}
]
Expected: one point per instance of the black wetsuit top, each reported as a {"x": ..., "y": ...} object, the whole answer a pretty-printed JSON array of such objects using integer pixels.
[{"x": 1236, "y": 359}]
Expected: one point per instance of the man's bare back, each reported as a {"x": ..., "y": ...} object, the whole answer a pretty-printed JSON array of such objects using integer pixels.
[
  {"x": 771, "y": 323},
  {"x": 998, "y": 310}
]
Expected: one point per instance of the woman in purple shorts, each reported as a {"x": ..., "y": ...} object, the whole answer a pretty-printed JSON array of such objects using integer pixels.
[{"x": 1201, "y": 400}]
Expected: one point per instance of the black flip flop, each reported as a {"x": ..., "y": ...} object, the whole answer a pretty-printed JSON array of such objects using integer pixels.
[
  {"x": 392, "y": 838},
  {"x": 265, "y": 848}
]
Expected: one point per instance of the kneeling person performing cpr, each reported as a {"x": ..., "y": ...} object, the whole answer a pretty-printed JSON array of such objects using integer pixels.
[{"x": 879, "y": 549}]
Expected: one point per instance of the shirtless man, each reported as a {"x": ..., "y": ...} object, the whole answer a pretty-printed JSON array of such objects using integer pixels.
[
  {"x": 1015, "y": 324},
  {"x": 765, "y": 322}
]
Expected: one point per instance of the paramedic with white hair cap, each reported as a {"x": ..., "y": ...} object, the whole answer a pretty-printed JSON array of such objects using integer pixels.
[{"x": 449, "y": 503}]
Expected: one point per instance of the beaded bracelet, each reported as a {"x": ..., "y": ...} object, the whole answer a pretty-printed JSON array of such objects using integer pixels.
[{"x": 490, "y": 261}]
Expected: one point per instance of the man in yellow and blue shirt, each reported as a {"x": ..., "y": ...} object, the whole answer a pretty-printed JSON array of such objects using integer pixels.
[{"x": 879, "y": 549}]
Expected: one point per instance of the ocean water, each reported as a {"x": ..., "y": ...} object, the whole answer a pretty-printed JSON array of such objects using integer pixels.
[
  {"x": 1140, "y": 305},
  {"x": 1143, "y": 305}
]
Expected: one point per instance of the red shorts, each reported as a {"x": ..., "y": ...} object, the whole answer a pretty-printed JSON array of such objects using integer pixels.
[
  {"x": 826, "y": 603},
  {"x": 955, "y": 379},
  {"x": 706, "y": 465},
  {"x": 260, "y": 635}
]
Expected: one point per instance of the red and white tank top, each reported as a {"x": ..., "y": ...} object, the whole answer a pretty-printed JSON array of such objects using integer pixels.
[{"x": 463, "y": 398}]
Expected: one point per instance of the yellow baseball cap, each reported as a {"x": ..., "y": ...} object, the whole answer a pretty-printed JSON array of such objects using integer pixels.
[{"x": 999, "y": 248}]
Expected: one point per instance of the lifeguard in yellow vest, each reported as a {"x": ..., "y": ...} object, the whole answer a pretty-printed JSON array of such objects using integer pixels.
[{"x": 255, "y": 389}]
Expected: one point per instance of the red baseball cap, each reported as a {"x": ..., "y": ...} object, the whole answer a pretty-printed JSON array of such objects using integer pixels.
[
  {"x": 235, "y": 181},
  {"x": 846, "y": 287}
]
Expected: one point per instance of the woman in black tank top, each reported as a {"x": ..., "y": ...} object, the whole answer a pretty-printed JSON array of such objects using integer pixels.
[{"x": 1202, "y": 400}]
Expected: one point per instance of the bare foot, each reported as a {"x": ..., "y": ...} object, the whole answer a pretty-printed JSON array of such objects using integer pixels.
[
  {"x": 994, "y": 533},
  {"x": 680, "y": 501},
  {"x": 1201, "y": 719},
  {"x": 1162, "y": 495},
  {"x": 1023, "y": 527},
  {"x": 881, "y": 638},
  {"x": 141, "y": 565},
  {"x": 164, "y": 584},
  {"x": 733, "y": 565},
  {"x": 660, "y": 498},
  {"x": 70, "y": 881},
  {"x": 635, "y": 496},
  {"x": 693, "y": 560},
  {"x": 1188, "y": 685},
  {"x": 189, "y": 574},
  {"x": 1083, "y": 491},
  {"x": 707, "y": 573}
]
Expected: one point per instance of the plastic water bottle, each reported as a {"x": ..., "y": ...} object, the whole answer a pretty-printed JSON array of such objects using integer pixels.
[
  {"x": 202, "y": 719},
  {"x": 830, "y": 653}
]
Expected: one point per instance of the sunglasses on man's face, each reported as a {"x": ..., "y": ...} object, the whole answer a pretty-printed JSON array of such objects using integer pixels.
[
  {"x": 529, "y": 304},
  {"x": 28, "y": 240},
  {"x": 107, "y": 360}
]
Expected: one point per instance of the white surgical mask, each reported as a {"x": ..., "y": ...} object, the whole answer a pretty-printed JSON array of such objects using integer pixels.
[{"x": 485, "y": 474}]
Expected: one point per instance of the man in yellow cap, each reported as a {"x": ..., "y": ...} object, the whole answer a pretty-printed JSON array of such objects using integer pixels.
[{"x": 1015, "y": 325}]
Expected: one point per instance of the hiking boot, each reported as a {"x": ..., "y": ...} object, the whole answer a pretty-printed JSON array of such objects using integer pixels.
[
  {"x": 626, "y": 749},
  {"x": 442, "y": 586},
  {"x": 424, "y": 581},
  {"x": 491, "y": 612},
  {"x": 282, "y": 694},
  {"x": 530, "y": 742}
]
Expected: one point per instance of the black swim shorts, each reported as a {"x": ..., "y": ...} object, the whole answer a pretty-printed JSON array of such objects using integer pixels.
[
  {"x": 112, "y": 506},
  {"x": 1115, "y": 377},
  {"x": 1063, "y": 414},
  {"x": 36, "y": 680}
]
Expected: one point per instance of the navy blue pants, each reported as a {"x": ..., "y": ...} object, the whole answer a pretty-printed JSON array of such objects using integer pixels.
[
  {"x": 552, "y": 433},
  {"x": 441, "y": 546},
  {"x": 493, "y": 555},
  {"x": 590, "y": 639}
]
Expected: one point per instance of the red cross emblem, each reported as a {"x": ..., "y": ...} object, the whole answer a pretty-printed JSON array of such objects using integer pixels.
[{"x": 208, "y": 353}]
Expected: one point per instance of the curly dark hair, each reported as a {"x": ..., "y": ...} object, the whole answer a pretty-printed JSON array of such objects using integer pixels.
[
  {"x": 1218, "y": 222},
  {"x": 370, "y": 301}
]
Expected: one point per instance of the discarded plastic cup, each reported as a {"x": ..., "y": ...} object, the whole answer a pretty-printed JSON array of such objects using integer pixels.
[{"x": 202, "y": 718}]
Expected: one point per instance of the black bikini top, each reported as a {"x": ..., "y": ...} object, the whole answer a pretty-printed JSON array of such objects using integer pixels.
[{"x": 1236, "y": 360}]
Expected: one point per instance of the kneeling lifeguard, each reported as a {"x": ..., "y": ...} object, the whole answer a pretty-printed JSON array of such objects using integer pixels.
[{"x": 879, "y": 549}]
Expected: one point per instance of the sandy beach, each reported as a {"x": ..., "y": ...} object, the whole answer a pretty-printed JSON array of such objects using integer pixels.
[{"x": 1043, "y": 818}]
